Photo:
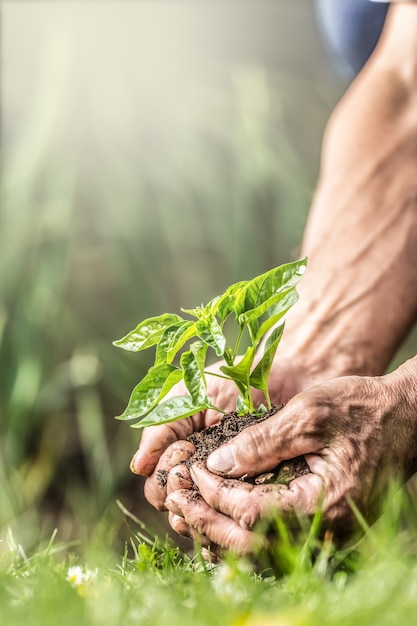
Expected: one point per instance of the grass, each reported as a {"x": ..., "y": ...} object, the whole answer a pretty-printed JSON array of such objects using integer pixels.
[{"x": 155, "y": 583}]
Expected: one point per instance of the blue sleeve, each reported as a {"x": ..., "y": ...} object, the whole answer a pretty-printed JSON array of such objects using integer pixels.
[{"x": 351, "y": 29}]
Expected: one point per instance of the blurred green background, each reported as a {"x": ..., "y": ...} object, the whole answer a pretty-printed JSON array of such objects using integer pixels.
[{"x": 152, "y": 153}]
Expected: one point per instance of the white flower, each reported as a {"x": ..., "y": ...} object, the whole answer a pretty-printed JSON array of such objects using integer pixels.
[
  {"x": 80, "y": 578},
  {"x": 75, "y": 575}
]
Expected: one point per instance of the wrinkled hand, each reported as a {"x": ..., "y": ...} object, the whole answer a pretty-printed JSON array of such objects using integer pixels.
[
  {"x": 355, "y": 433},
  {"x": 163, "y": 448}
]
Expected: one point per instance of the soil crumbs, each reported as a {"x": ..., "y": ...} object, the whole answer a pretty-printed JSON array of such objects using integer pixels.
[{"x": 208, "y": 440}]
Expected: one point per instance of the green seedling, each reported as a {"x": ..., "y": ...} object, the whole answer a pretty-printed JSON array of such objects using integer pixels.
[{"x": 182, "y": 344}]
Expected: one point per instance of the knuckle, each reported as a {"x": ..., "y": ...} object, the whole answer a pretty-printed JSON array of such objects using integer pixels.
[
  {"x": 235, "y": 540},
  {"x": 179, "y": 478},
  {"x": 255, "y": 445},
  {"x": 179, "y": 451},
  {"x": 199, "y": 523},
  {"x": 304, "y": 402},
  {"x": 247, "y": 514}
]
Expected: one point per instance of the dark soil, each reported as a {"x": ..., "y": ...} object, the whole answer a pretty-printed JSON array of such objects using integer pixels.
[{"x": 206, "y": 441}]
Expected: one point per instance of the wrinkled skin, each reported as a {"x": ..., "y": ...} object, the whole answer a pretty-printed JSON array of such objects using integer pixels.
[
  {"x": 351, "y": 448},
  {"x": 164, "y": 447},
  {"x": 355, "y": 433}
]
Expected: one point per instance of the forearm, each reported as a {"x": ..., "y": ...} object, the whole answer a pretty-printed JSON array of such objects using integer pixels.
[{"x": 358, "y": 298}]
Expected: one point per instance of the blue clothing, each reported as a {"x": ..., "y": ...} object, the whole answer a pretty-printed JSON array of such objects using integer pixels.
[{"x": 351, "y": 29}]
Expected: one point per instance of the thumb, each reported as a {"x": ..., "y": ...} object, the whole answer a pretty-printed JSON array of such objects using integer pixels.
[{"x": 263, "y": 446}]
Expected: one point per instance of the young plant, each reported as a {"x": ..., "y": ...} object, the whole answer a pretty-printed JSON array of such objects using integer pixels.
[{"x": 182, "y": 345}]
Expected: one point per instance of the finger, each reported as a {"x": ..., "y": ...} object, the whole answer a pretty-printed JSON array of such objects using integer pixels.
[
  {"x": 209, "y": 551},
  {"x": 341, "y": 486},
  {"x": 246, "y": 504},
  {"x": 155, "y": 440},
  {"x": 214, "y": 526},
  {"x": 209, "y": 555},
  {"x": 179, "y": 478},
  {"x": 177, "y": 522},
  {"x": 179, "y": 525},
  {"x": 289, "y": 433},
  {"x": 156, "y": 485}
]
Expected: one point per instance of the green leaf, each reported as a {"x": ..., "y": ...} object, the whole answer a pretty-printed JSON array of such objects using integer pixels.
[
  {"x": 259, "y": 290},
  {"x": 170, "y": 410},
  {"x": 269, "y": 313},
  {"x": 192, "y": 363},
  {"x": 223, "y": 305},
  {"x": 180, "y": 338},
  {"x": 197, "y": 312},
  {"x": 260, "y": 375},
  {"x": 152, "y": 388},
  {"x": 209, "y": 331},
  {"x": 257, "y": 305},
  {"x": 241, "y": 371},
  {"x": 172, "y": 339},
  {"x": 147, "y": 333}
]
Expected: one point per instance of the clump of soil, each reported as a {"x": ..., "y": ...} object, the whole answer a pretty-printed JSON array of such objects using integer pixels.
[
  {"x": 208, "y": 440},
  {"x": 231, "y": 424}
]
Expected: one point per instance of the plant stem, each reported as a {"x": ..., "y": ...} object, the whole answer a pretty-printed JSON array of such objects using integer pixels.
[
  {"x": 237, "y": 344},
  {"x": 268, "y": 399},
  {"x": 218, "y": 375},
  {"x": 216, "y": 408}
]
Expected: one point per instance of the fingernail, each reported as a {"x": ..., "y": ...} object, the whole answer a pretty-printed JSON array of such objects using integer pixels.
[
  {"x": 172, "y": 506},
  {"x": 178, "y": 524},
  {"x": 176, "y": 457},
  {"x": 132, "y": 463},
  {"x": 221, "y": 460}
]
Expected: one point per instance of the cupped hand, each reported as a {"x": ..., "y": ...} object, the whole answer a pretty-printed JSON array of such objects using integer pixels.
[
  {"x": 355, "y": 432},
  {"x": 163, "y": 449}
]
